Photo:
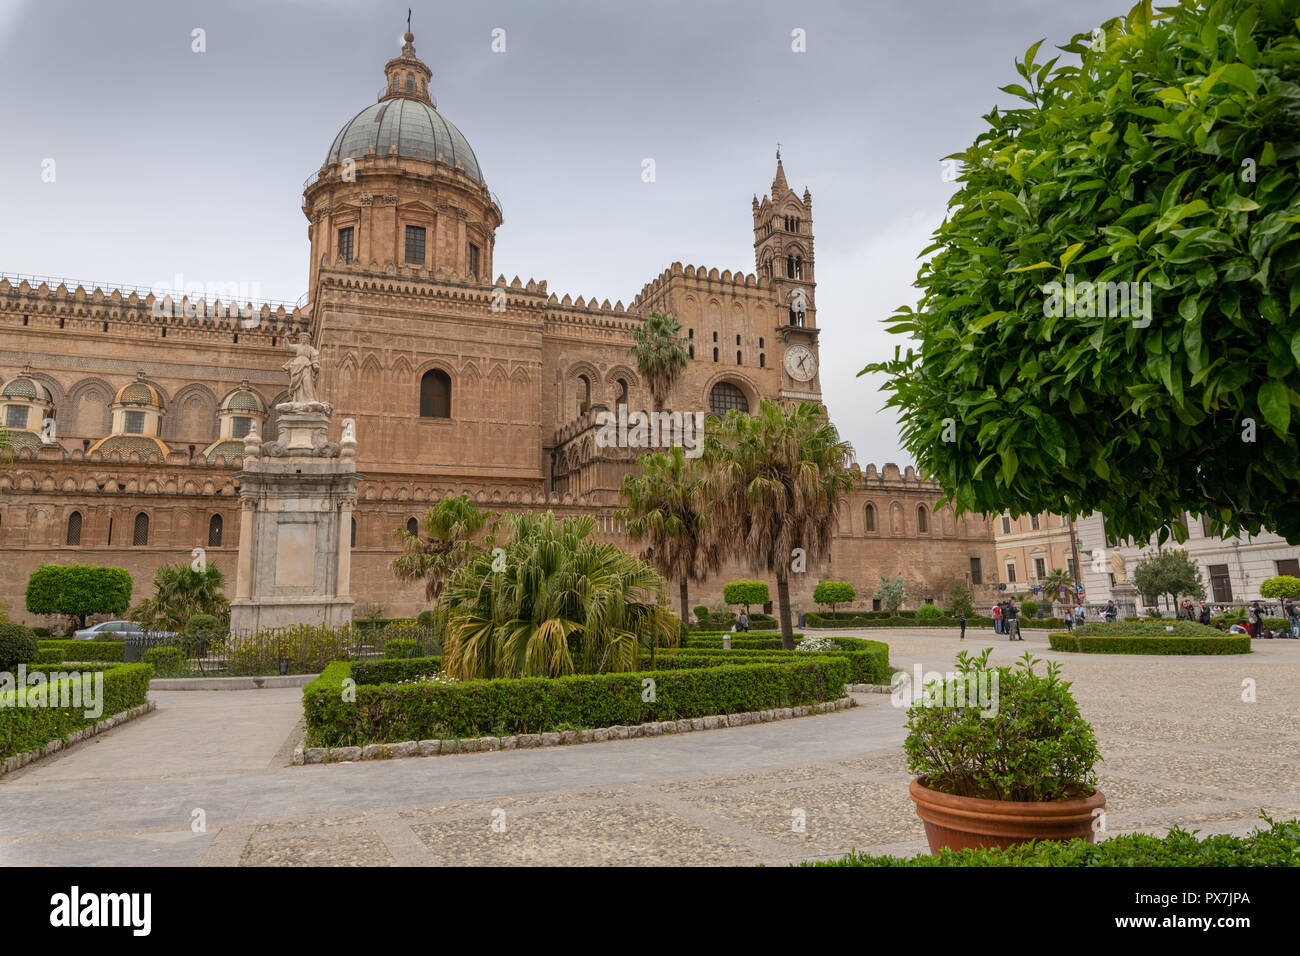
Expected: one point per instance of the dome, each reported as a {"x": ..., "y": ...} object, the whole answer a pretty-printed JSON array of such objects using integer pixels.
[
  {"x": 243, "y": 399},
  {"x": 138, "y": 393},
  {"x": 26, "y": 388},
  {"x": 227, "y": 451},
  {"x": 417, "y": 130},
  {"x": 127, "y": 445}
]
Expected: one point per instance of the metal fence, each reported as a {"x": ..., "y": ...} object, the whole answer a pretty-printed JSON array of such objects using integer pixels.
[{"x": 292, "y": 650}]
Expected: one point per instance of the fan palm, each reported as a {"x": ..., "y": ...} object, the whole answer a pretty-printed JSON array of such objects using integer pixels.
[
  {"x": 1055, "y": 580},
  {"x": 664, "y": 509},
  {"x": 660, "y": 353},
  {"x": 552, "y": 602},
  {"x": 450, "y": 529},
  {"x": 775, "y": 482},
  {"x": 180, "y": 593}
]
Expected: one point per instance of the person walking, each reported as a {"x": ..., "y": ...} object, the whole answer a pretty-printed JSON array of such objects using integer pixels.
[
  {"x": 742, "y": 624},
  {"x": 1255, "y": 619},
  {"x": 1012, "y": 619},
  {"x": 997, "y": 618},
  {"x": 961, "y": 619}
]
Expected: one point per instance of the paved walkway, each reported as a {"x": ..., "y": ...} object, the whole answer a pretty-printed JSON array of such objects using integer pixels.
[{"x": 1180, "y": 746}]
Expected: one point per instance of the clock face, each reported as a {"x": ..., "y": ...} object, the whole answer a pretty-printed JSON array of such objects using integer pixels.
[{"x": 800, "y": 363}]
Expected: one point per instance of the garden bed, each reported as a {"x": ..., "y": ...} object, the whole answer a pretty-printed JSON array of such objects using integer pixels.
[
  {"x": 1149, "y": 637},
  {"x": 28, "y": 728},
  {"x": 385, "y": 711}
]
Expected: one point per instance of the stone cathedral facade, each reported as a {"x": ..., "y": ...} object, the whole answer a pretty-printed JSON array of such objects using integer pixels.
[{"x": 128, "y": 412}]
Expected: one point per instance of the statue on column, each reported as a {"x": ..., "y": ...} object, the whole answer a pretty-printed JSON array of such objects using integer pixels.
[{"x": 303, "y": 369}]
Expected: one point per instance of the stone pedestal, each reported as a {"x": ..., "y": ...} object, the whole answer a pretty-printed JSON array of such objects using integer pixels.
[{"x": 297, "y": 495}]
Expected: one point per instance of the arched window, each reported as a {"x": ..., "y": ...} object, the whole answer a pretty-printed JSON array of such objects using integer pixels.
[
  {"x": 922, "y": 520},
  {"x": 789, "y": 267},
  {"x": 724, "y": 397},
  {"x": 622, "y": 393},
  {"x": 74, "y": 529},
  {"x": 214, "y": 531},
  {"x": 353, "y": 541},
  {"x": 410, "y": 82},
  {"x": 140, "y": 537},
  {"x": 412, "y": 526},
  {"x": 871, "y": 517},
  {"x": 584, "y": 394},
  {"x": 435, "y": 394}
]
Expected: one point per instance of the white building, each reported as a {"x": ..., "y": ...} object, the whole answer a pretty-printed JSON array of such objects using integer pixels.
[{"x": 1232, "y": 568}]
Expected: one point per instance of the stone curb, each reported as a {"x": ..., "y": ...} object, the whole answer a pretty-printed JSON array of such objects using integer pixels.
[
  {"x": 868, "y": 688},
  {"x": 85, "y": 733},
  {"x": 231, "y": 683},
  {"x": 431, "y": 748}
]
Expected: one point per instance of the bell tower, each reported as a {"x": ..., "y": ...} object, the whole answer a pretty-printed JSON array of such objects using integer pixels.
[{"x": 783, "y": 254}]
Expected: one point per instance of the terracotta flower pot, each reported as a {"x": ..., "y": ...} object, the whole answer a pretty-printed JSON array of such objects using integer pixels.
[{"x": 961, "y": 823}]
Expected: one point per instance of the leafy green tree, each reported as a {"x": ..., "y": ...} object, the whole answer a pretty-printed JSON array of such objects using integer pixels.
[
  {"x": 775, "y": 482},
  {"x": 833, "y": 593},
  {"x": 450, "y": 534},
  {"x": 960, "y": 599},
  {"x": 182, "y": 592},
  {"x": 746, "y": 593},
  {"x": 660, "y": 353},
  {"x": 892, "y": 593},
  {"x": 663, "y": 509},
  {"x": 553, "y": 602},
  {"x": 1170, "y": 572},
  {"x": 1281, "y": 586},
  {"x": 78, "y": 590},
  {"x": 1165, "y": 161}
]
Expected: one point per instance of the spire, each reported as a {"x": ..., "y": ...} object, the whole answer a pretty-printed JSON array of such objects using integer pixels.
[
  {"x": 406, "y": 75},
  {"x": 779, "y": 185}
]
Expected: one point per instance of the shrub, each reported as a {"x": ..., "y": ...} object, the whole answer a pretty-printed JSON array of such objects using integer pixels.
[
  {"x": 17, "y": 645},
  {"x": 41, "y": 632},
  {"x": 746, "y": 593},
  {"x": 833, "y": 593},
  {"x": 929, "y": 611},
  {"x": 472, "y": 708},
  {"x": 1029, "y": 608},
  {"x": 27, "y": 728},
  {"x": 701, "y": 613},
  {"x": 1146, "y": 629},
  {"x": 869, "y": 659},
  {"x": 166, "y": 661},
  {"x": 1164, "y": 644},
  {"x": 78, "y": 590},
  {"x": 892, "y": 592},
  {"x": 181, "y": 592},
  {"x": 400, "y": 648},
  {"x": 87, "y": 651},
  {"x": 1281, "y": 586},
  {"x": 1036, "y": 746},
  {"x": 203, "y": 624},
  {"x": 1279, "y": 845}
]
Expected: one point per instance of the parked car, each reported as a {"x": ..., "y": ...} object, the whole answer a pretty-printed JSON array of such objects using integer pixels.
[{"x": 117, "y": 631}]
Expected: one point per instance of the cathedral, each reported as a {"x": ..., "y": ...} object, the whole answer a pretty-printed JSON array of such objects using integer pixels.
[{"x": 127, "y": 411}]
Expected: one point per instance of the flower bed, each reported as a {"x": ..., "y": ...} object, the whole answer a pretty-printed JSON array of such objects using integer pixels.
[
  {"x": 388, "y": 711},
  {"x": 1276, "y": 845},
  {"x": 29, "y": 727},
  {"x": 1150, "y": 637}
]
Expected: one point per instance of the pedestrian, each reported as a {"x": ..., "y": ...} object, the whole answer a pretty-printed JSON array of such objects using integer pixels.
[
  {"x": 1110, "y": 612},
  {"x": 1069, "y": 619},
  {"x": 1080, "y": 615},
  {"x": 997, "y": 618},
  {"x": 1011, "y": 616},
  {"x": 1204, "y": 616},
  {"x": 743, "y": 623},
  {"x": 1255, "y": 619},
  {"x": 961, "y": 619},
  {"x": 1293, "y": 615}
]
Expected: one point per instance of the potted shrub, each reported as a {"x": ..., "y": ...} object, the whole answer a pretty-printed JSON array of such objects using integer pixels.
[{"x": 1009, "y": 762}]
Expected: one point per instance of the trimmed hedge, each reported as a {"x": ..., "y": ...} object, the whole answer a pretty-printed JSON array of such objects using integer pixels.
[
  {"x": 391, "y": 712},
  {"x": 26, "y": 728},
  {"x": 1146, "y": 629},
  {"x": 1139, "y": 644},
  {"x": 111, "y": 651},
  {"x": 17, "y": 645},
  {"x": 393, "y": 670},
  {"x": 166, "y": 661},
  {"x": 400, "y": 648},
  {"x": 1277, "y": 845},
  {"x": 868, "y": 664}
]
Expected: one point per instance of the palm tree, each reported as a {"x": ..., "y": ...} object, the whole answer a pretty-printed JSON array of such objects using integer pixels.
[
  {"x": 180, "y": 593},
  {"x": 775, "y": 482},
  {"x": 660, "y": 354},
  {"x": 1056, "y": 579},
  {"x": 450, "y": 529},
  {"x": 552, "y": 602},
  {"x": 663, "y": 508}
]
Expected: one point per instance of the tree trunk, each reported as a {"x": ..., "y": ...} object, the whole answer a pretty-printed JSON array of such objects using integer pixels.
[
  {"x": 783, "y": 602},
  {"x": 686, "y": 619}
]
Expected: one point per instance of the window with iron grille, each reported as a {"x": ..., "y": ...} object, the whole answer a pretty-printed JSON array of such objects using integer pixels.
[
  {"x": 135, "y": 423},
  {"x": 240, "y": 427},
  {"x": 345, "y": 244},
  {"x": 15, "y": 416},
  {"x": 141, "y": 536},
  {"x": 415, "y": 245},
  {"x": 724, "y": 397},
  {"x": 435, "y": 394},
  {"x": 214, "y": 531},
  {"x": 74, "y": 529}
]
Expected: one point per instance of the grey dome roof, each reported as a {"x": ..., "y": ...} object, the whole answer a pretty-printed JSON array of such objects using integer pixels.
[{"x": 415, "y": 128}]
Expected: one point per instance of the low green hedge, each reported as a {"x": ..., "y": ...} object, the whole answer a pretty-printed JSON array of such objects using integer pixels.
[
  {"x": 87, "y": 650},
  {"x": 868, "y": 665},
  {"x": 1140, "y": 644},
  {"x": 395, "y": 669},
  {"x": 49, "y": 655},
  {"x": 751, "y": 640},
  {"x": 167, "y": 661},
  {"x": 26, "y": 728},
  {"x": 397, "y": 712},
  {"x": 1276, "y": 845},
  {"x": 1146, "y": 629}
]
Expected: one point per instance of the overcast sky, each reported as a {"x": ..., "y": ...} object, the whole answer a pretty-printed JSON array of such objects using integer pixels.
[{"x": 168, "y": 161}]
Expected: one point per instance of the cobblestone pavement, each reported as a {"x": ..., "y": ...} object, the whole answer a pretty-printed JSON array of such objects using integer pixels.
[{"x": 1180, "y": 746}]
